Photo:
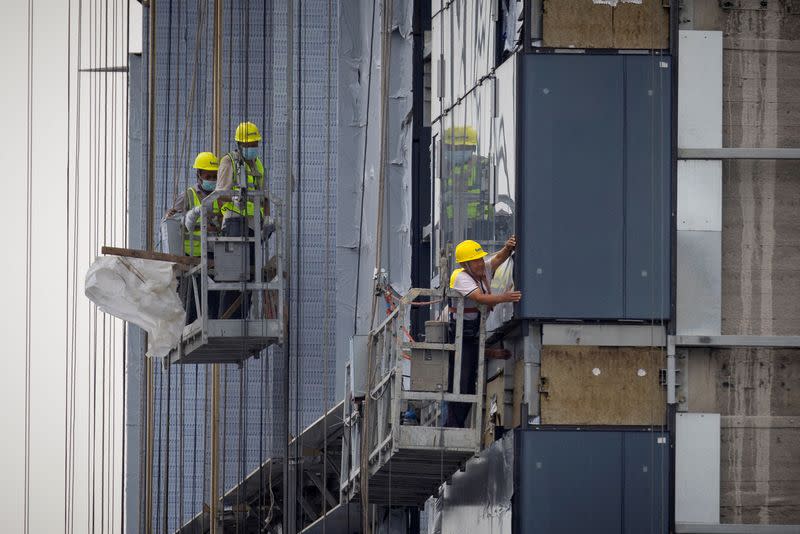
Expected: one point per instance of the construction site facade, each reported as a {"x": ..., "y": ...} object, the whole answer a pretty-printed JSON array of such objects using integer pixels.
[{"x": 631, "y": 169}]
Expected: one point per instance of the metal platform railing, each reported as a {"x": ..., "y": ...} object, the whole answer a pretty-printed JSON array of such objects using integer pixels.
[
  {"x": 259, "y": 281},
  {"x": 406, "y": 460}
]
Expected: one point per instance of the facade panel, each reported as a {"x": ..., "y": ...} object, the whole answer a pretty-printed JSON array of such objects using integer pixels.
[
  {"x": 594, "y": 176},
  {"x": 648, "y": 167},
  {"x": 570, "y": 173},
  {"x": 605, "y": 481}
]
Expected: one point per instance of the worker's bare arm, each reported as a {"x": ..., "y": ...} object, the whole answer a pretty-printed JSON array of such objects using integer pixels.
[
  {"x": 498, "y": 259},
  {"x": 491, "y": 299}
]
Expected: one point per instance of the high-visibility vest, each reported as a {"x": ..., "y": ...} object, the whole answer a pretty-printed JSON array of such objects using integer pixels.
[
  {"x": 468, "y": 173},
  {"x": 191, "y": 245},
  {"x": 255, "y": 182},
  {"x": 467, "y": 309}
]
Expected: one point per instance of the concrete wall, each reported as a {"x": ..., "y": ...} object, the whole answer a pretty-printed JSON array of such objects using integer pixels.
[{"x": 756, "y": 390}]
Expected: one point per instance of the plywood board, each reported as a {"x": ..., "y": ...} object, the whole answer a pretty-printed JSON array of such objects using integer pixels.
[
  {"x": 602, "y": 386},
  {"x": 518, "y": 395},
  {"x": 584, "y": 24},
  {"x": 578, "y": 24},
  {"x": 644, "y": 25}
]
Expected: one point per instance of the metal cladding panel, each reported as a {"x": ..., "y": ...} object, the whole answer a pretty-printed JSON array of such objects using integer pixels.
[
  {"x": 569, "y": 482},
  {"x": 646, "y": 473},
  {"x": 697, "y": 467},
  {"x": 570, "y": 252},
  {"x": 604, "y": 481},
  {"x": 594, "y": 176},
  {"x": 648, "y": 166},
  {"x": 699, "y": 307}
]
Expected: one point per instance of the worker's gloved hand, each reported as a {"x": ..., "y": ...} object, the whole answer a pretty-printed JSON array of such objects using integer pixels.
[{"x": 191, "y": 218}]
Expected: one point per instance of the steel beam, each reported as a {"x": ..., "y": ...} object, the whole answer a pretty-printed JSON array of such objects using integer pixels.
[
  {"x": 739, "y": 153},
  {"x": 776, "y": 342},
  {"x": 710, "y": 528}
]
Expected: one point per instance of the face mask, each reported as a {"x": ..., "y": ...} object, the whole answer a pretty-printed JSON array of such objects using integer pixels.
[
  {"x": 249, "y": 152},
  {"x": 209, "y": 185}
]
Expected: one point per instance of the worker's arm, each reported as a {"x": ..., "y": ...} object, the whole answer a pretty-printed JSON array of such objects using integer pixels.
[
  {"x": 494, "y": 298},
  {"x": 498, "y": 259},
  {"x": 224, "y": 178},
  {"x": 178, "y": 206}
]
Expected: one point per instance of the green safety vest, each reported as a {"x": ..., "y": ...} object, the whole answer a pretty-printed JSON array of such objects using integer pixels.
[
  {"x": 192, "y": 246},
  {"x": 469, "y": 173},
  {"x": 255, "y": 182}
]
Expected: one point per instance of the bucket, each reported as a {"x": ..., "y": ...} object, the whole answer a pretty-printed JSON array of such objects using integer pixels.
[{"x": 171, "y": 239}]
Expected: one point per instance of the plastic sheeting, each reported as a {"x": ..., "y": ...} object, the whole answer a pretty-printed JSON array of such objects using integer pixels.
[
  {"x": 142, "y": 292},
  {"x": 479, "y": 498},
  {"x": 502, "y": 281}
]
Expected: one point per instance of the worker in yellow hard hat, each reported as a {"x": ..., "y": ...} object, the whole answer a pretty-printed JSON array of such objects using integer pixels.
[
  {"x": 242, "y": 168},
  {"x": 473, "y": 280},
  {"x": 466, "y": 185},
  {"x": 189, "y": 203},
  {"x": 206, "y": 166}
]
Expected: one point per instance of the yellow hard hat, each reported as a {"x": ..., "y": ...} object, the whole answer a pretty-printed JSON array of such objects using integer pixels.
[
  {"x": 461, "y": 136},
  {"x": 206, "y": 161},
  {"x": 469, "y": 250},
  {"x": 247, "y": 132}
]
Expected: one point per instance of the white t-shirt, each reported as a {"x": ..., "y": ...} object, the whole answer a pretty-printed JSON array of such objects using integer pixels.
[{"x": 465, "y": 284}]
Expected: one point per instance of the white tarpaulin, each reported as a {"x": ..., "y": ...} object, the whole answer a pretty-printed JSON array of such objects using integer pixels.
[
  {"x": 502, "y": 282},
  {"x": 142, "y": 292}
]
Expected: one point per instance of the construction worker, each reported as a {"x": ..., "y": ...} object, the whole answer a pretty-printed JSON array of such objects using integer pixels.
[
  {"x": 473, "y": 280},
  {"x": 189, "y": 203},
  {"x": 238, "y": 168},
  {"x": 466, "y": 195}
]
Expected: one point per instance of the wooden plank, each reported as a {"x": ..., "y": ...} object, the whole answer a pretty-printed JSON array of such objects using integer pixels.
[
  {"x": 641, "y": 26},
  {"x": 602, "y": 385},
  {"x": 150, "y": 255},
  {"x": 578, "y": 24}
]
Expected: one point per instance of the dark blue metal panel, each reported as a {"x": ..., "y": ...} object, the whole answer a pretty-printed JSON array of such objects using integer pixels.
[
  {"x": 594, "y": 180},
  {"x": 569, "y": 482},
  {"x": 571, "y": 187},
  {"x": 647, "y": 186},
  {"x": 601, "y": 481},
  {"x": 646, "y": 461}
]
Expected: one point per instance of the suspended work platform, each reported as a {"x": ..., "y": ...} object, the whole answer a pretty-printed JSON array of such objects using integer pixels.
[
  {"x": 235, "y": 293},
  {"x": 395, "y": 423}
]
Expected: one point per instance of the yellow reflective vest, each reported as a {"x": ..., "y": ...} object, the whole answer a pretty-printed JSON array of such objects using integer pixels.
[
  {"x": 255, "y": 182},
  {"x": 191, "y": 245}
]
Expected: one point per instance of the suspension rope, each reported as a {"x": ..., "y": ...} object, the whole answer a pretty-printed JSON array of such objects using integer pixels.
[{"x": 28, "y": 274}]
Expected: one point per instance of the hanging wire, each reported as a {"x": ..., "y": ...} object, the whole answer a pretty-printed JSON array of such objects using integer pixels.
[
  {"x": 67, "y": 503},
  {"x": 28, "y": 274}
]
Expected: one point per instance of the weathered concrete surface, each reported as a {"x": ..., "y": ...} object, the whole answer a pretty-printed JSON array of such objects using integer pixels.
[
  {"x": 757, "y": 391},
  {"x": 760, "y": 266}
]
